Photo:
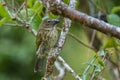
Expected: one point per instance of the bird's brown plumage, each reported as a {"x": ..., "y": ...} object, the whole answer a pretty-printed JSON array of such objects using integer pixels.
[{"x": 46, "y": 39}]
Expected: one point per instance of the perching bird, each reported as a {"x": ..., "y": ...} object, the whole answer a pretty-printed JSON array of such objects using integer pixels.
[{"x": 46, "y": 39}]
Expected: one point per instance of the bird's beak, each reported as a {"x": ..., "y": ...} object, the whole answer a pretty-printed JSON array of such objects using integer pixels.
[{"x": 56, "y": 21}]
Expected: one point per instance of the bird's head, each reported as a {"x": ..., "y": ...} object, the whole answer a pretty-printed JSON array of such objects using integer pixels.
[{"x": 49, "y": 23}]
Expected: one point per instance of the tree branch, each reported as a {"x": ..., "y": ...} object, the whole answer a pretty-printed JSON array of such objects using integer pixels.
[
  {"x": 68, "y": 68},
  {"x": 59, "y": 8},
  {"x": 61, "y": 70},
  {"x": 54, "y": 52}
]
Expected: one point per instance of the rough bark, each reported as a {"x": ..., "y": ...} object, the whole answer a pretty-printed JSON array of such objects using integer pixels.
[{"x": 59, "y": 8}]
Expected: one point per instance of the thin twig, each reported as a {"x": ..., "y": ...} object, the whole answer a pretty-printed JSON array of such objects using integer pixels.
[
  {"x": 31, "y": 19},
  {"x": 61, "y": 70},
  {"x": 91, "y": 43},
  {"x": 96, "y": 6},
  {"x": 78, "y": 40},
  {"x": 26, "y": 10},
  {"x": 19, "y": 8},
  {"x": 88, "y": 67},
  {"x": 13, "y": 25},
  {"x": 27, "y": 26},
  {"x": 13, "y": 4},
  {"x": 93, "y": 37},
  {"x": 68, "y": 68},
  {"x": 22, "y": 23}
]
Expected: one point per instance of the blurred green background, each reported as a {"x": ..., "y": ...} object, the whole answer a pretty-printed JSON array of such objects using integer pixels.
[
  {"x": 17, "y": 53},
  {"x": 17, "y": 44}
]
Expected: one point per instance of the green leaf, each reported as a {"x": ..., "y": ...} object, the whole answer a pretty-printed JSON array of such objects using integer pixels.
[
  {"x": 2, "y": 21},
  {"x": 3, "y": 12},
  {"x": 66, "y": 1},
  {"x": 23, "y": 13},
  {"x": 113, "y": 19},
  {"x": 33, "y": 17},
  {"x": 116, "y": 10},
  {"x": 111, "y": 42},
  {"x": 30, "y": 3},
  {"x": 101, "y": 63},
  {"x": 52, "y": 16},
  {"x": 37, "y": 7}
]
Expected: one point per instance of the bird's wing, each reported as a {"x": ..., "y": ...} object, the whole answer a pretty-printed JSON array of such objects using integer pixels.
[{"x": 38, "y": 40}]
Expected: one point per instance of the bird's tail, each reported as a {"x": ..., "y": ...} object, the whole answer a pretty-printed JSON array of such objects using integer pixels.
[{"x": 40, "y": 63}]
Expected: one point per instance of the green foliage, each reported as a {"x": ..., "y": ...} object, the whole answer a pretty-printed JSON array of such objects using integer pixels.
[
  {"x": 2, "y": 21},
  {"x": 113, "y": 19},
  {"x": 3, "y": 12},
  {"x": 116, "y": 10},
  {"x": 96, "y": 67},
  {"x": 101, "y": 63},
  {"x": 110, "y": 43},
  {"x": 90, "y": 64},
  {"x": 33, "y": 17},
  {"x": 49, "y": 16},
  {"x": 37, "y": 7},
  {"x": 105, "y": 5},
  {"x": 101, "y": 54},
  {"x": 4, "y": 15},
  {"x": 17, "y": 53},
  {"x": 30, "y": 3},
  {"x": 66, "y": 1},
  {"x": 52, "y": 15}
]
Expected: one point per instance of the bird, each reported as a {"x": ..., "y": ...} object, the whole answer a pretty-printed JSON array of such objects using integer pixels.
[{"x": 46, "y": 39}]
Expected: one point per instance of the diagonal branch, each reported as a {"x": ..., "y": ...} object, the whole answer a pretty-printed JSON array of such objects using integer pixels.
[
  {"x": 68, "y": 68},
  {"x": 59, "y": 8},
  {"x": 54, "y": 52}
]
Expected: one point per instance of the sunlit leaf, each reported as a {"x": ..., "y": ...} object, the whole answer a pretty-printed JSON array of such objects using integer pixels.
[
  {"x": 116, "y": 10},
  {"x": 101, "y": 63},
  {"x": 111, "y": 42},
  {"x": 30, "y": 3},
  {"x": 33, "y": 17},
  {"x": 77, "y": 3},
  {"x": 37, "y": 7},
  {"x": 2, "y": 21},
  {"x": 66, "y": 1},
  {"x": 3, "y": 12}
]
